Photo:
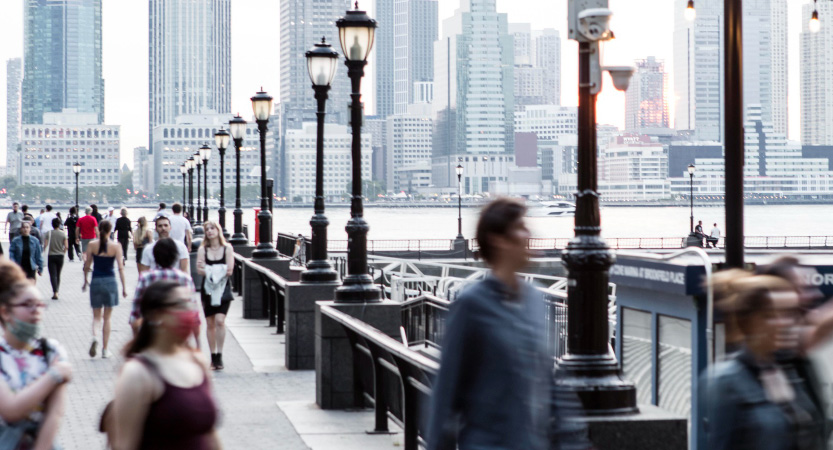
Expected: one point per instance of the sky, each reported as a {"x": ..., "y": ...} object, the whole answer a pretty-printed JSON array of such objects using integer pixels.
[{"x": 256, "y": 55}]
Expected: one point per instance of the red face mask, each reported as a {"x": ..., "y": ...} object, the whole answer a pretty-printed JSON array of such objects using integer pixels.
[{"x": 187, "y": 322}]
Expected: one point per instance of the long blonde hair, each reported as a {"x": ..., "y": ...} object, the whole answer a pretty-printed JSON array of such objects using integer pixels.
[
  {"x": 141, "y": 227},
  {"x": 220, "y": 237}
]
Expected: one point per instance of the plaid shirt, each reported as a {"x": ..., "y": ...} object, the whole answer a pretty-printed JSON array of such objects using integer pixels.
[{"x": 153, "y": 276}]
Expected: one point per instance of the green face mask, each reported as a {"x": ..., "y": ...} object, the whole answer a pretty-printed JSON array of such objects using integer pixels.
[{"x": 24, "y": 331}]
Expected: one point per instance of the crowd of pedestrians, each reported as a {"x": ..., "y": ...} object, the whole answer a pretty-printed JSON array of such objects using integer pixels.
[{"x": 163, "y": 396}]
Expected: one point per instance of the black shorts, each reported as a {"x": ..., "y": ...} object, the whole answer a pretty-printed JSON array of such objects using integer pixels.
[{"x": 214, "y": 310}]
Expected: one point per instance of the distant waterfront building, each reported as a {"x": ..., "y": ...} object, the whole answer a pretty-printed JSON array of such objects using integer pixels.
[
  {"x": 634, "y": 167},
  {"x": 548, "y": 122},
  {"x": 62, "y": 57},
  {"x": 377, "y": 128},
  {"x": 300, "y": 161},
  {"x": 415, "y": 29},
  {"x": 14, "y": 78},
  {"x": 50, "y": 149},
  {"x": 816, "y": 69},
  {"x": 547, "y": 48},
  {"x": 303, "y": 23},
  {"x": 409, "y": 148},
  {"x": 142, "y": 165},
  {"x": 537, "y": 71},
  {"x": 646, "y": 105},
  {"x": 177, "y": 141},
  {"x": 189, "y": 61}
]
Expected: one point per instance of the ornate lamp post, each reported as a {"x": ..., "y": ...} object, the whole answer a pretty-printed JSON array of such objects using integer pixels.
[
  {"x": 205, "y": 154},
  {"x": 589, "y": 370},
  {"x": 459, "y": 170},
  {"x": 356, "y": 31},
  {"x": 238, "y": 130},
  {"x": 262, "y": 106},
  {"x": 76, "y": 169},
  {"x": 222, "y": 138},
  {"x": 191, "y": 164},
  {"x": 198, "y": 231},
  {"x": 322, "y": 62},
  {"x": 691, "y": 195},
  {"x": 184, "y": 170}
]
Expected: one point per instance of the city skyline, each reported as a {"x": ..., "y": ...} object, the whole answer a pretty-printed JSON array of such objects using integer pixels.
[{"x": 255, "y": 64}]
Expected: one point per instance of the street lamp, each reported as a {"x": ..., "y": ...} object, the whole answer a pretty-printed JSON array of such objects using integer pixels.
[
  {"x": 76, "y": 169},
  {"x": 191, "y": 164},
  {"x": 184, "y": 170},
  {"x": 238, "y": 130},
  {"x": 589, "y": 370},
  {"x": 205, "y": 154},
  {"x": 356, "y": 31},
  {"x": 222, "y": 138},
  {"x": 322, "y": 62},
  {"x": 459, "y": 170},
  {"x": 814, "y": 24},
  {"x": 262, "y": 106},
  {"x": 691, "y": 194},
  {"x": 690, "y": 12},
  {"x": 198, "y": 163}
]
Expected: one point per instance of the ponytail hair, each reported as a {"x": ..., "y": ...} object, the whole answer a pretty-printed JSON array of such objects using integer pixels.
[
  {"x": 156, "y": 297},
  {"x": 104, "y": 229}
]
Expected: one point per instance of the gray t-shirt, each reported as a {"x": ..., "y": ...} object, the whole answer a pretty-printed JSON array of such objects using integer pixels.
[
  {"x": 14, "y": 219},
  {"x": 149, "y": 261}
]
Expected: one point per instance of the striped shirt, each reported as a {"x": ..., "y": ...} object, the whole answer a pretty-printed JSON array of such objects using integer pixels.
[{"x": 153, "y": 276}]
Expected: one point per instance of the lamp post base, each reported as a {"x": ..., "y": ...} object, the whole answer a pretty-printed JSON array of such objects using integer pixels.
[
  {"x": 319, "y": 272},
  {"x": 238, "y": 238},
  {"x": 264, "y": 251},
  {"x": 358, "y": 289}
]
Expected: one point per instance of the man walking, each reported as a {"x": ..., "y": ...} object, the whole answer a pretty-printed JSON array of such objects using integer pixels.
[
  {"x": 13, "y": 220},
  {"x": 163, "y": 229},
  {"x": 714, "y": 237},
  {"x": 26, "y": 251},
  {"x": 112, "y": 218},
  {"x": 162, "y": 211},
  {"x": 46, "y": 220},
  {"x": 180, "y": 226},
  {"x": 87, "y": 230}
]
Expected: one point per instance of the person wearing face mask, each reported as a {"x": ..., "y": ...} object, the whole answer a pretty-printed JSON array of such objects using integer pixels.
[
  {"x": 163, "y": 398},
  {"x": 33, "y": 370},
  {"x": 762, "y": 397}
]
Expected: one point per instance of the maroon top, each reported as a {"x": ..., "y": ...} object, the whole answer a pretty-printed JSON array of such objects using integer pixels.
[{"x": 181, "y": 419}]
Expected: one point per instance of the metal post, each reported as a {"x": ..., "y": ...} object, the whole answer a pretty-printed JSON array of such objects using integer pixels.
[
  {"x": 199, "y": 181},
  {"x": 460, "y": 207},
  {"x": 733, "y": 143},
  {"x": 183, "y": 190},
  {"x": 191, "y": 195},
  {"x": 264, "y": 247},
  {"x": 589, "y": 370},
  {"x": 270, "y": 187},
  {"x": 319, "y": 268},
  {"x": 357, "y": 285},
  {"x": 76, "y": 195},
  {"x": 205, "y": 192},
  {"x": 691, "y": 198},
  {"x": 238, "y": 238},
  {"x": 221, "y": 213}
]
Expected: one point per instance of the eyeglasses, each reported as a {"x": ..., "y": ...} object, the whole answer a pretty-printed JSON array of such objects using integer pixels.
[{"x": 30, "y": 305}]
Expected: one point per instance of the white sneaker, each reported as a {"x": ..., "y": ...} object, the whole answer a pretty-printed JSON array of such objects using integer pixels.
[
  {"x": 93, "y": 348},
  {"x": 105, "y": 353}
]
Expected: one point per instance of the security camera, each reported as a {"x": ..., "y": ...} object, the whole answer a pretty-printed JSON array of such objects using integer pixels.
[
  {"x": 594, "y": 23},
  {"x": 621, "y": 76}
]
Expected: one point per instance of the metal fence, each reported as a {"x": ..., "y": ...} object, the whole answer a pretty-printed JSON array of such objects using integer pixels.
[{"x": 273, "y": 288}]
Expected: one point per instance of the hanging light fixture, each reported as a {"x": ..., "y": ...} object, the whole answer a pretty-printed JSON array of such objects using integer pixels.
[
  {"x": 690, "y": 12},
  {"x": 814, "y": 24}
]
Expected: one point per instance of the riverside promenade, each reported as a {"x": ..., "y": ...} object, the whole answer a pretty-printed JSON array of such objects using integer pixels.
[{"x": 262, "y": 404}]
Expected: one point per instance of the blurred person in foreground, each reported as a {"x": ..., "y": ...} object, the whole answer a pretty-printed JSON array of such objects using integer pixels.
[
  {"x": 164, "y": 397},
  {"x": 765, "y": 396},
  {"x": 493, "y": 388}
]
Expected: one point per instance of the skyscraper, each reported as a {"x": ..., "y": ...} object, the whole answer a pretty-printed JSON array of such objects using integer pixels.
[
  {"x": 547, "y": 47},
  {"x": 303, "y": 23},
  {"x": 537, "y": 65},
  {"x": 62, "y": 57},
  {"x": 13, "y": 83},
  {"x": 189, "y": 59},
  {"x": 698, "y": 69},
  {"x": 698, "y": 65},
  {"x": 415, "y": 27},
  {"x": 473, "y": 96},
  {"x": 384, "y": 58},
  {"x": 645, "y": 102},
  {"x": 817, "y": 77}
]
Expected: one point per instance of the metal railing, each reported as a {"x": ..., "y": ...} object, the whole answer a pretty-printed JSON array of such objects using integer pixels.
[
  {"x": 237, "y": 274},
  {"x": 286, "y": 243},
  {"x": 274, "y": 295},
  {"x": 424, "y": 320},
  {"x": 387, "y": 374}
]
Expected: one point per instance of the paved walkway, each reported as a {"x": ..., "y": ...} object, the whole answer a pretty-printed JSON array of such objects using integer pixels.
[{"x": 262, "y": 404}]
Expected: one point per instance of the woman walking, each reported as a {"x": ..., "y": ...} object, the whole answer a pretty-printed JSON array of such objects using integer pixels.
[
  {"x": 103, "y": 287},
  {"x": 25, "y": 250},
  {"x": 142, "y": 236},
  {"x": 73, "y": 239},
  {"x": 33, "y": 370},
  {"x": 163, "y": 395},
  {"x": 55, "y": 246},
  {"x": 215, "y": 262},
  {"x": 123, "y": 233}
]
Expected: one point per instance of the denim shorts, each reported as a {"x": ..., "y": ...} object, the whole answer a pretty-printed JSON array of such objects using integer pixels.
[{"x": 104, "y": 292}]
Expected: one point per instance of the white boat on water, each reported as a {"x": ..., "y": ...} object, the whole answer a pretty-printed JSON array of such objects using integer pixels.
[{"x": 550, "y": 209}]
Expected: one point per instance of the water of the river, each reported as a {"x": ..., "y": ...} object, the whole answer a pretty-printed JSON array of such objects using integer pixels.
[{"x": 441, "y": 223}]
